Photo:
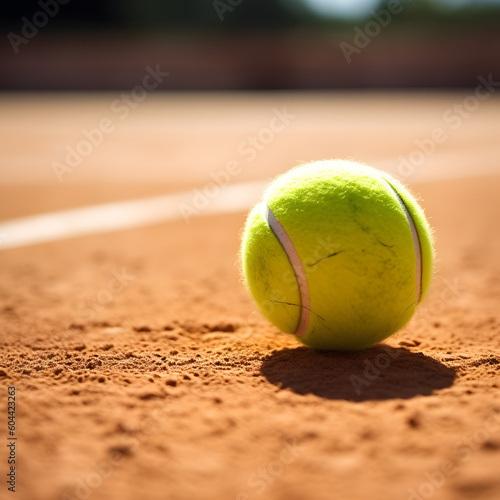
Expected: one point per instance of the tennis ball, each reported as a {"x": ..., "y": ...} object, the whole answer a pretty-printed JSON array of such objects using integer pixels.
[{"x": 337, "y": 253}]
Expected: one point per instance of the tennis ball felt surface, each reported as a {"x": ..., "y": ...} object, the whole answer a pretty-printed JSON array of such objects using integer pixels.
[{"x": 337, "y": 253}]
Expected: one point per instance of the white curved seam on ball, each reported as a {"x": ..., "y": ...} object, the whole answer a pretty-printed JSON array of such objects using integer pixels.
[
  {"x": 416, "y": 244},
  {"x": 298, "y": 269}
]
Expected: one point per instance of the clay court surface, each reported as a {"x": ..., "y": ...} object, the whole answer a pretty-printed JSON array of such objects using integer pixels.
[{"x": 142, "y": 369}]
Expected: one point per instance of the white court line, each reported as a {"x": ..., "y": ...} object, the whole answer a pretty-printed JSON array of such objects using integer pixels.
[{"x": 118, "y": 216}]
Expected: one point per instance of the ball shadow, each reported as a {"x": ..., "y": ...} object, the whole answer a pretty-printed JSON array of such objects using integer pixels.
[{"x": 381, "y": 372}]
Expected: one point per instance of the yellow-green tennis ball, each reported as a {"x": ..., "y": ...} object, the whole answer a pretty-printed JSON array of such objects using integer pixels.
[{"x": 337, "y": 253}]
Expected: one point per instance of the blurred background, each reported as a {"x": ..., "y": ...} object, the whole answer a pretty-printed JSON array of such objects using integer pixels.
[
  {"x": 105, "y": 100},
  {"x": 248, "y": 44}
]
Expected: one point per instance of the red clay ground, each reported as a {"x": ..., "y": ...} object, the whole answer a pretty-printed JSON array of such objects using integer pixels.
[{"x": 177, "y": 389}]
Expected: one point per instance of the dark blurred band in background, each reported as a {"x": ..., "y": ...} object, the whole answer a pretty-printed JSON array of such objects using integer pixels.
[{"x": 248, "y": 44}]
